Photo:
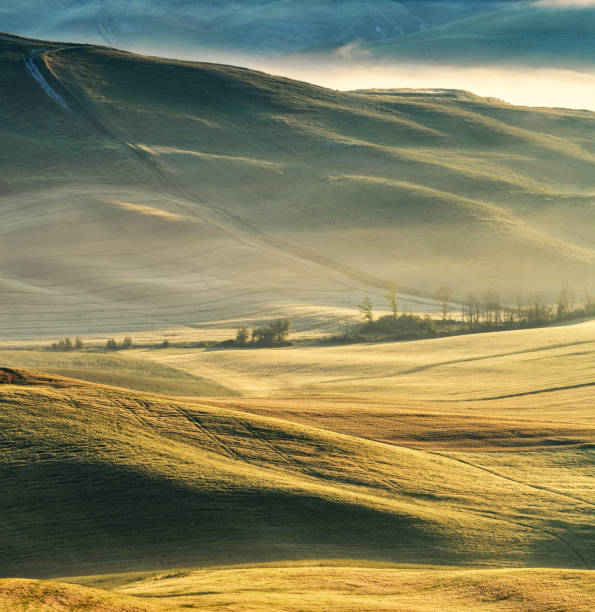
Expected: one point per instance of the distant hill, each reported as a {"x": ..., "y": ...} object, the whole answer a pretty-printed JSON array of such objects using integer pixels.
[
  {"x": 250, "y": 26},
  {"x": 459, "y": 31},
  {"x": 515, "y": 34},
  {"x": 98, "y": 480},
  {"x": 138, "y": 192}
]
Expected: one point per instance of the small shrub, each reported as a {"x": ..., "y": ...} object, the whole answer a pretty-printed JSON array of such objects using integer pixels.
[
  {"x": 127, "y": 342},
  {"x": 242, "y": 336}
]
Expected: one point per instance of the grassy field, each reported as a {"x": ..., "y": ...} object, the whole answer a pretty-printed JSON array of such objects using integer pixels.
[
  {"x": 172, "y": 483},
  {"x": 315, "y": 587},
  {"x": 118, "y": 370},
  {"x": 264, "y": 196},
  {"x": 359, "y": 497},
  {"x": 481, "y": 366}
]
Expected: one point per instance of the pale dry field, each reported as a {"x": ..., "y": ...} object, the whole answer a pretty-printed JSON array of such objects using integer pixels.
[{"x": 458, "y": 368}]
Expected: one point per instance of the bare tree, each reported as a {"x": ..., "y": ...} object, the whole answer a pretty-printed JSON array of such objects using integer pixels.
[
  {"x": 491, "y": 306},
  {"x": 589, "y": 298},
  {"x": 471, "y": 311},
  {"x": 537, "y": 311},
  {"x": 443, "y": 295},
  {"x": 520, "y": 303},
  {"x": 392, "y": 297},
  {"x": 365, "y": 309},
  {"x": 563, "y": 303}
]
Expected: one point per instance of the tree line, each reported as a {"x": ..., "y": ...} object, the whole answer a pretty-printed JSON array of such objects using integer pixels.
[
  {"x": 67, "y": 344},
  {"x": 275, "y": 333},
  {"x": 483, "y": 311}
]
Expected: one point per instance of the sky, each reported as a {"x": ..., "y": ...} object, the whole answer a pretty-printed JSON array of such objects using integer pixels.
[{"x": 522, "y": 86}]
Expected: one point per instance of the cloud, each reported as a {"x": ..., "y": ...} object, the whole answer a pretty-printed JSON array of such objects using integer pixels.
[
  {"x": 566, "y": 3},
  {"x": 524, "y": 86}
]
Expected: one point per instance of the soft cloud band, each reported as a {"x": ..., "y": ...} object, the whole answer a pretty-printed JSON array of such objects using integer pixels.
[{"x": 567, "y": 3}]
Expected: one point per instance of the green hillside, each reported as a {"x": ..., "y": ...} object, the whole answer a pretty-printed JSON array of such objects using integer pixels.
[
  {"x": 143, "y": 482},
  {"x": 175, "y": 192}
]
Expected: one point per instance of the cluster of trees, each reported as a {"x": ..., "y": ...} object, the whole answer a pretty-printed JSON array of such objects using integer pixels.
[
  {"x": 394, "y": 324},
  {"x": 485, "y": 311},
  {"x": 67, "y": 344},
  {"x": 274, "y": 333},
  {"x": 112, "y": 345},
  {"x": 392, "y": 297}
]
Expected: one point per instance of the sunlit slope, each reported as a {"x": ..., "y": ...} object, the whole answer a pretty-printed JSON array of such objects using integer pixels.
[
  {"x": 119, "y": 370},
  {"x": 482, "y": 366},
  {"x": 356, "y": 588},
  {"x": 138, "y": 482},
  {"x": 80, "y": 260},
  {"x": 306, "y": 586},
  {"x": 176, "y": 192},
  {"x": 48, "y": 596}
]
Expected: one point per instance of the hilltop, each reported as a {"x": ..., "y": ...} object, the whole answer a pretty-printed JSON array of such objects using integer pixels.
[{"x": 177, "y": 192}]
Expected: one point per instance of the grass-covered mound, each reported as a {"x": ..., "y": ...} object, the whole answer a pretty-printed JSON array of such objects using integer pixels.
[{"x": 98, "y": 480}]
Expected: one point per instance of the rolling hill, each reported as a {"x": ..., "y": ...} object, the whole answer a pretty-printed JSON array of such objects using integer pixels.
[
  {"x": 143, "y": 482},
  {"x": 141, "y": 193}
]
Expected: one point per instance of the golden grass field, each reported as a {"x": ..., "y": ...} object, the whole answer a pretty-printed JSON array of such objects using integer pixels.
[
  {"x": 380, "y": 477},
  {"x": 314, "y": 586},
  {"x": 501, "y": 488}
]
